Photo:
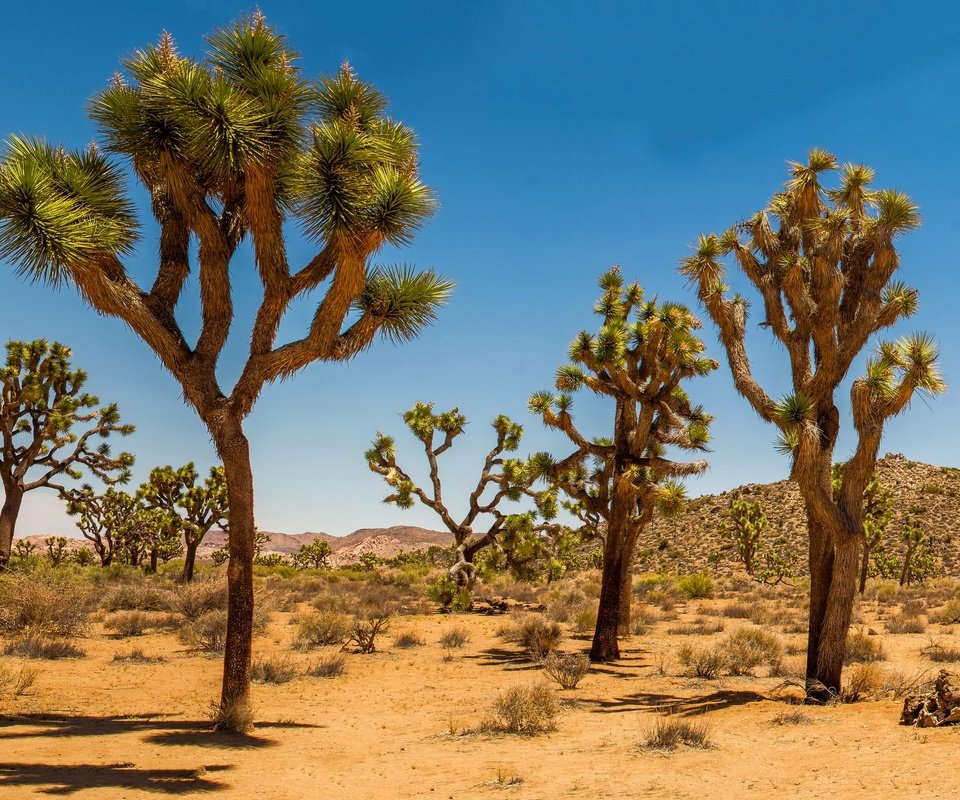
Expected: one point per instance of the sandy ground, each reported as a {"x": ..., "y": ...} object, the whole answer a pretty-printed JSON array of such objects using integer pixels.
[{"x": 397, "y": 724}]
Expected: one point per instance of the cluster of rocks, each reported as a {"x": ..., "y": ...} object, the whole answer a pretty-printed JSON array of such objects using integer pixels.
[{"x": 940, "y": 706}]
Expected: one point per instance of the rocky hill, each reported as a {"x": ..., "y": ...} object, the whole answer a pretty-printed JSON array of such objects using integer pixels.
[{"x": 693, "y": 540}]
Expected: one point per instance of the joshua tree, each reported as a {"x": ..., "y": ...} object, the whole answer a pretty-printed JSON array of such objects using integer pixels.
[
  {"x": 42, "y": 401},
  {"x": 745, "y": 528},
  {"x": 102, "y": 518},
  {"x": 638, "y": 358},
  {"x": 193, "y": 509},
  {"x": 56, "y": 549},
  {"x": 823, "y": 261},
  {"x": 877, "y": 513},
  {"x": 238, "y": 145},
  {"x": 501, "y": 479},
  {"x": 315, "y": 555}
]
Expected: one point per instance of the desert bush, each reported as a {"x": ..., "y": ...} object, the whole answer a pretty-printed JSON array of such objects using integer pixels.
[
  {"x": 913, "y": 607},
  {"x": 321, "y": 628},
  {"x": 669, "y": 732},
  {"x": 137, "y": 596},
  {"x": 663, "y": 600},
  {"x": 949, "y": 614},
  {"x": 524, "y": 710},
  {"x": 862, "y": 648},
  {"x": 454, "y": 638},
  {"x": 46, "y": 605},
  {"x": 705, "y": 662},
  {"x": 538, "y": 636},
  {"x": 331, "y": 666},
  {"x": 193, "y": 600},
  {"x": 863, "y": 681},
  {"x": 941, "y": 653},
  {"x": 696, "y": 586},
  {"x": 796, "y": 716},
  {"x": 137, "y": 656},
  {"x": 208, "y": 632},
  {"x": 584, "y": 619},
  {"x": 737, "y": 611},
  {"x": 699, "y": 627},
  {"x": 17, "y": 684},
  {"x": 365, "y": 630},
  {"x": 273, "y": 670},
  {"x": 747, "y": 648},
  {"x": 566, "y": 669},
  {"x": 563, "y": 603},
  {"x": 408, "y": 640},
  {"x": 128, "y": 623},
  {"x": 449, "y": 596},
  {"x": 34, "y": 645},
  {"x": 641, "y": 618},
  {"x": 901, "y": 623}
]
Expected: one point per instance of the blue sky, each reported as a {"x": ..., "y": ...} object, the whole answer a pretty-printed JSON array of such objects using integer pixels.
[{"x": 561, "y": 138}]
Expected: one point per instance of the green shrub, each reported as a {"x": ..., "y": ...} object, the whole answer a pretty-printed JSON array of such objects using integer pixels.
[
  {"x": 449, "y": 596},
  {"x": 696, "y": 587}
]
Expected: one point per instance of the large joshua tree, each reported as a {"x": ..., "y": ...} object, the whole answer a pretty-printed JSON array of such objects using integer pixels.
[
  {"x": 231, "y": 148},
  {"x": 501, "y": 479},
  {"x": 824, "y": 262},
  {"x": 639, "y": 358},
  {"x": 50, "y": 430}
]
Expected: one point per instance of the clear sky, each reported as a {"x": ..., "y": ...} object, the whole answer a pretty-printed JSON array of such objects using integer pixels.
[{"x": 561, "y": 138}]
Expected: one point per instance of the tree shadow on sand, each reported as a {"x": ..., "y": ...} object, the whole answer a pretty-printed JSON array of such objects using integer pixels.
[
  {"x": 674, "y": 704},
  {"x": 66, "y": 779}
]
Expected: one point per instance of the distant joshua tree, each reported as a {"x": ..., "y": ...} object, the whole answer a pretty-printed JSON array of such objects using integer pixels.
[
  {"x": 823, "y": 261},
  {"x": 42, "y": 406},
  {"x": 639, "y": 358},
  {"x": 236, "y": 146}
]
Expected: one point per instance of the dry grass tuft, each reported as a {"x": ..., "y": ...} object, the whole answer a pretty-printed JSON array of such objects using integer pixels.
[
  {"x": 566, "y": 669},
  {"x": 524, "y": 710},
  {"x": 454, "y": 638},
  {"x": 331, "y": 666},
  {"x": 35, "y": 646},
  {"x": 273, "y": 670},
  {"x": 669, "y": 732}
]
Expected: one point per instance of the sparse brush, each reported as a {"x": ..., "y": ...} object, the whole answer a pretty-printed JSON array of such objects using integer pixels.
[
  {"x": 669, "y": 732},
  {"x": 331, "y": 666},
  {"x": 193, "y": 600},
  {"x": 949, "y": 614},
  {"x": 273, "y": 670},
  {"x": 641, "y": 619},
  {"x": 35, "y": 646},
  {"x": 863, "y": 648},
  {"x": 903, "y": 623},
  {"x": 128, "y": 623},
  {"x": 538, "y": 636},
  {"x": 236, "y": 717},
  {"x": 363, "y": 635},
  {"x": 321, "y": 628},
  {"x": 737, "y": 611},
  {"x": 941, "y": 653},
  {"x": 566, "y": 669},
  {"x": 208, "y": 632},
  {"x": 747, "y": 648},
  {"x": 863, "y": 681},
  {"x": 455, "y": 638},
  {"x": 913, "y": 608},
  {"x": 408, "y": 640},
  {"x": 19, "y": 684},
  {"x": 524, "y": 710},
  {"x": 584, "y": 619},
  {"x": 51, "y": 607},
  {"x": 137, "y": 596},
  {"x": 796, "y": 716},
  {"x": 705, "y": 662},
  {"x": 699, "y": 627},
  {"x": 137, "y": 656}
]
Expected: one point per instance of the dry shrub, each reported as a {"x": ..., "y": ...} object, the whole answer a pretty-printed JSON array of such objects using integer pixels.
[
  {"x": 904, "y": 623},
  {"x": 737, "y": 611},
  {"x": 36, "y": 646},
  {"x": 321, "y": 628},
  {"x": 796, "y": 716},
  {"x": 193, "y": 600},
  {"x": 137, "y": 656},
  {"x": 273, "y": 670},
  {"x": 538, "y": 636},
  {"x": 208, "y": 632},
  {"x": 863, "y": 681},
  {"x": 641, "y": 619},
  {"x": 128, "y": 623},
  {"x": 455, "y": 638},
  {"x": 566, "y": 669},
  {"x": 19, "y": 684},
  {"x": 331, "y": 666},
  {"x": 563, "y": 602},
  {"x": 366, "y": 628},
  {"x": 408, "y": 640},
  {"x": 949, "y": 614},
  {"x": 913, "y": 608},
  {"x": 49, "y": 606},
  {"x": 525, "y": 710},
  {"x": 235, "y": 717},
  {"x": 863, "y": 648},
  {"x": 669, "y": 732},
  {"x": 664, "y": 600},
  {"x": 584, "y": 619},
  {"x": 705, "y": 662},
  {"x": 137, "y": 596},
  {"x": 941, "y": 653},
  {"x": 699, "y": 627},
  {"x": 747, "y": 648}
]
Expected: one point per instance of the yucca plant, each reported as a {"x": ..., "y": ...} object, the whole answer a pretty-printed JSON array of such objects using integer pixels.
[
  {"x": 640, "y": 356},
  {"x": 49, "y": 428},
  {"x": 231, "y": 147},
  {"x": 823, "y": 261}
]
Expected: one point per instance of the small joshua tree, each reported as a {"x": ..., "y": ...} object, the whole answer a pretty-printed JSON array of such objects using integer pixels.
[
  {"x": 315, "y": 555},
  {"x": 640, "y": 356},
  {"x": 823, "y": 261},
  {"x": 745, "y": 529},
  {"x": 191, "y": 507},
  {"x": 501, "y": 479},
  {"x": 102, "y": 518},
  {"x": 42, "y": 403}
]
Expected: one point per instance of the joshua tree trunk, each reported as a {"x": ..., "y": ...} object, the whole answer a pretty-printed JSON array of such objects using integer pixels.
[
  {"x": 13, "y": 497},
  {"x": 626, "y": 584},
  {"x": 617, "y": 554},
  {"x": 190, "y": 557},
  {"x": 154, "y": 560},
  {"x": 864, "y": 566},
  {"x": 234, "y": 451}
]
